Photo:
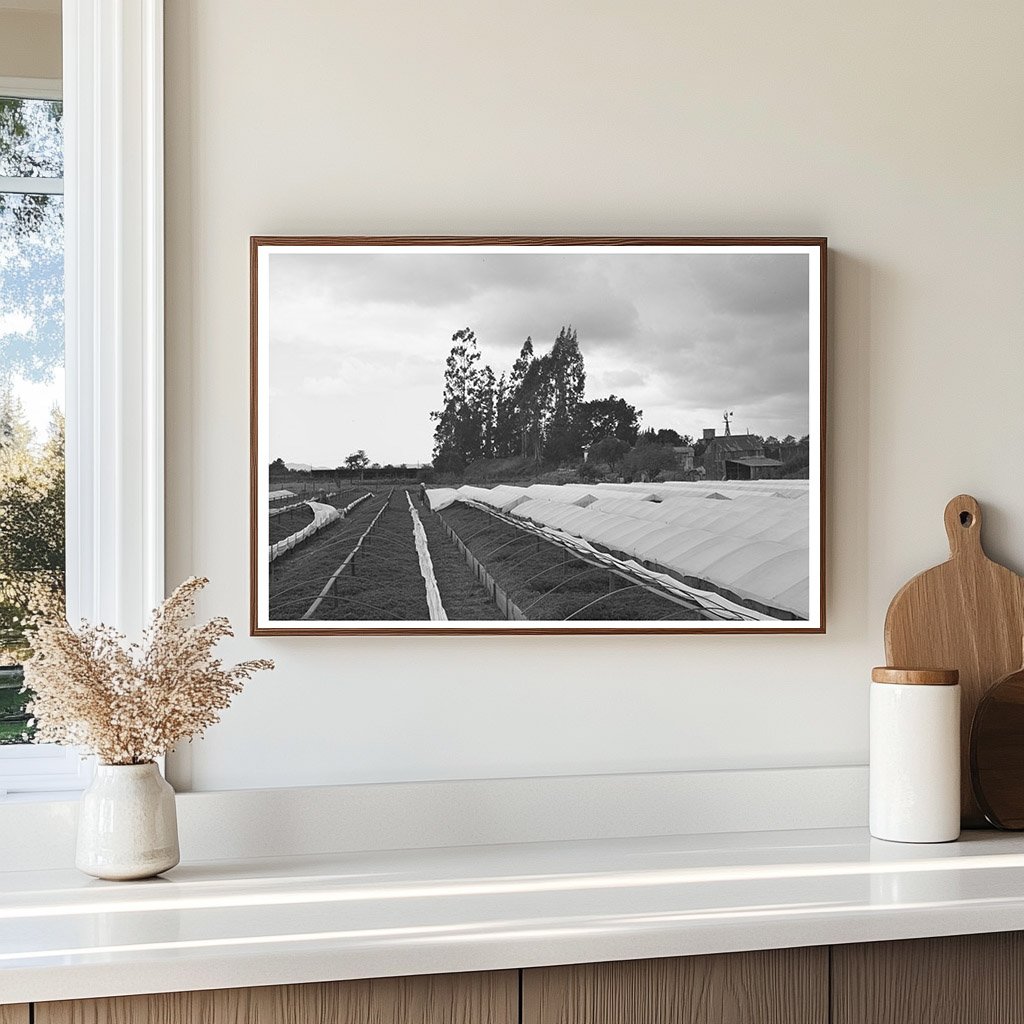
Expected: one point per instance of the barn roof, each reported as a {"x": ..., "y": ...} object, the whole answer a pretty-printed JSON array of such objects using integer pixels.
[
  {"x": 755, "y": 460},
  {"x": 736, "y": 443}
]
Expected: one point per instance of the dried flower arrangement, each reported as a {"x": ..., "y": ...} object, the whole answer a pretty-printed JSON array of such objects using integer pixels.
[{"x": 128, "y": 704}]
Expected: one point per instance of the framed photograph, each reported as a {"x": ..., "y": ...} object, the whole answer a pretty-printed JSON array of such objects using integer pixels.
[{"x": 537, "y": 435}]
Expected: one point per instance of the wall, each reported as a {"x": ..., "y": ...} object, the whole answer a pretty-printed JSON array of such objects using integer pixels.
[
  {"x": 30, "y": 43},
  {"x": 892, "y": 128}
]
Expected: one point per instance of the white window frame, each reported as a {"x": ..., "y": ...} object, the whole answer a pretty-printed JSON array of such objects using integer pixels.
[
  {"x": 114, "y": 327},
  {"x": 32, "y": 88}
]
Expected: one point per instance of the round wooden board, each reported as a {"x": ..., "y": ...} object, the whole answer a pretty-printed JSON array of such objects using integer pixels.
[{"x": 997, "y": 752}]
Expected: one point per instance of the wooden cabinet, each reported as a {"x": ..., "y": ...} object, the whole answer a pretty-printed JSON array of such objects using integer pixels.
[
  {"x": 779, "y": 986},
  {"x": 491, "y": 998},
  {"x": 972, "y": 979},
  {"x": 963, "y": 979}
]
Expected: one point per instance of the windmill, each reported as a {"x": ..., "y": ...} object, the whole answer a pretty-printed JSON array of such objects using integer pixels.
[{"x": 727, "y": 416}]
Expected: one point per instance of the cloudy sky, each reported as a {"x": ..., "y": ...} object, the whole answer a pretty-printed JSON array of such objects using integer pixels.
[{"x": 358, "y": 341}]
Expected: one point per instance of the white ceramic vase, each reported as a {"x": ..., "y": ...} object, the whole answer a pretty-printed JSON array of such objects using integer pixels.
[{"x": 127, "y": 825}]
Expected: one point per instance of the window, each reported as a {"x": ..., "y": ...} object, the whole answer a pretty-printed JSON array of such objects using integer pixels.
[
  {"x": 112, "y": 212},
  {"x": 31, "y": 382},
  {"x": 31, "y": 401}
]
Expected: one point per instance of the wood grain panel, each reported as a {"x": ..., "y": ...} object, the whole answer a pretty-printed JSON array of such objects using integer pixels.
[
  {"x": 491, "y": 998},
  {"x": 781, "y": 986},
  {"x": 14, "y": 1014},
  {"x": 963, "y": 979}
]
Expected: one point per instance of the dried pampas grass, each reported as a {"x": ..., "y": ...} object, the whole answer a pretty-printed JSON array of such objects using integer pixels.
[{"x": 129, "y": 703}]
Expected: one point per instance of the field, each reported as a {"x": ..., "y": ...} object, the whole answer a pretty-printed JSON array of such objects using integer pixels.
[
  {"x": 543, "y": 552},
  {"x": 380, "y": 582},
  {"x": 545, "y": 581},
  {"x": 383, "y": 581},
  {"x": 289, "y": 521}
]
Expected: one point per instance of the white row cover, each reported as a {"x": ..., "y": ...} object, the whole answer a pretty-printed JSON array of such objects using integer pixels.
[
  {"x": 280, "y": 495},
  {"x": 742, "y": 538},
  {"x": 725, "y": 488},
  {"x": 285, "y": 508},
  {"x": 434, "y": 606},
  {"x": 441, "y": 497},
  {"x": 759, "y": 517},
  {"x": 715, "y": 603},
  {"x": 322, "y": 515},
  {"x": 504, "y": 495}
]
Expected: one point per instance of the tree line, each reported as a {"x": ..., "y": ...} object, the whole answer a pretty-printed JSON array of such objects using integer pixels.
[
  {"x": 535, "y": 411},
  {"x": 31, "y": 524},
  {"x": 357, "y": 462}
]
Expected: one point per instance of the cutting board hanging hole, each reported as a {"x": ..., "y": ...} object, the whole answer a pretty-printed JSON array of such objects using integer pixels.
[{"x": 963, "y": 526}]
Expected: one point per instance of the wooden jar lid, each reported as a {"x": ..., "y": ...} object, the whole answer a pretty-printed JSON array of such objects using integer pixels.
[{"x": 916, "y": 676}]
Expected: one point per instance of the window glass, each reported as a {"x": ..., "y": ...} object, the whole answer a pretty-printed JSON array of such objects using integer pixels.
[
  {"x": 31, "y": 386},
  {"x": 31, "y": 138}
]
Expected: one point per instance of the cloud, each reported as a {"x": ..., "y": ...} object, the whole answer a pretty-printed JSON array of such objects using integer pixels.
[
  {"x": 619, "y": 380},
  {"x": 358, "y": 341}
]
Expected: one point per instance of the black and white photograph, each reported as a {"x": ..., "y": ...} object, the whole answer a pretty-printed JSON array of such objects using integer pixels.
[{"x": 537, "y": 435}]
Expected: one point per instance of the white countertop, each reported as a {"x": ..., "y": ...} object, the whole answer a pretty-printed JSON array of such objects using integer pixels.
[{"x": 225, "y": 924}]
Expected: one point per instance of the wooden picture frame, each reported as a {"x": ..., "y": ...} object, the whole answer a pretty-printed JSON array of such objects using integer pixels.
[{"x": 348, "y": 337}]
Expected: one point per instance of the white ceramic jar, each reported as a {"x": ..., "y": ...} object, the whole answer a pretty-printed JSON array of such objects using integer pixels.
[
  {"x": 127, "y": 823},
  {"x": 915, "y": 755}
]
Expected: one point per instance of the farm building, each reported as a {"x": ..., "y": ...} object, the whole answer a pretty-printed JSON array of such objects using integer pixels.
[
  {"x": 737, "y": 457},
  {"x": 684, "y": 456}
]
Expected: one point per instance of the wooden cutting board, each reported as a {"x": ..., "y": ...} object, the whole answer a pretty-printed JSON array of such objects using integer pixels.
[{"x": 967, "y": 614}]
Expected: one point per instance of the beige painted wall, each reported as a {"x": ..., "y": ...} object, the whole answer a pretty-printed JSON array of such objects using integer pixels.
[
  {"x": 29, "y": 44},
  {"x": 894, "y": 129}
]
